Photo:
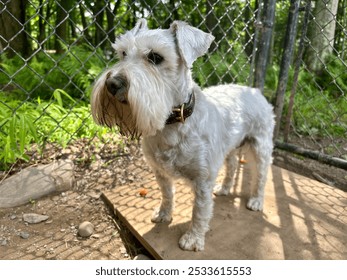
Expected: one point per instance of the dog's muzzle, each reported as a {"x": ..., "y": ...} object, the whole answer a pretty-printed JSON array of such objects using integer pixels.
[{"x": 118, "y": 87}]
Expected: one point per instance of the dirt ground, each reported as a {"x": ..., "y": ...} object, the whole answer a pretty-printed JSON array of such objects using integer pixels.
[{"x": 98, "y": 167}]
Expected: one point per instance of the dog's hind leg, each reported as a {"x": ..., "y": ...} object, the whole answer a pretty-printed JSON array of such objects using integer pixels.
[
  {"x": 231, "y": 164},
  {"x": 262, "y": 149},
  {"x": 164, "y": 212}
]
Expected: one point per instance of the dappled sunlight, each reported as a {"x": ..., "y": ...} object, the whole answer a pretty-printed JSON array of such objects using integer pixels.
[{"x": 302, "y": 219}]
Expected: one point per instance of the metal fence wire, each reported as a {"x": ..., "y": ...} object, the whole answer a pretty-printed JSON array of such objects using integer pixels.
[{"x": 295, "y": 51}]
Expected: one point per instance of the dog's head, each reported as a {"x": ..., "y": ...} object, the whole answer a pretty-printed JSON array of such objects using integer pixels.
[{"x": 152, "y": 76}]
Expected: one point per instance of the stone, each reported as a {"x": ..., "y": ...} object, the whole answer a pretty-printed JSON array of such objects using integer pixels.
[
  {"x": 36, "y": 181},
  {"x": 141, "y": 257},
  {"x": 85, "y": 229},
  {"x": 33, "y": 218},
  {"x": 94, "y": 195},
  {"x": 24, "y": 235}
]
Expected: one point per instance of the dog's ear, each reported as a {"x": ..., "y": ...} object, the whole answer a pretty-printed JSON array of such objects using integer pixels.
[
  {"x": 192, "y": 42},
  {"x": 140, "y": 25}
]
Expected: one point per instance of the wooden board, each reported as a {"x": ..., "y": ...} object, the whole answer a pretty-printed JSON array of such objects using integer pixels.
[{"x": 302, "y": 219}]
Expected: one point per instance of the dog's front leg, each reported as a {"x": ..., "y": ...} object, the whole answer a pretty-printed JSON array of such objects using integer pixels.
[
  {"x": 164, "y": 212},
  {"x": 194, "y": 238}
]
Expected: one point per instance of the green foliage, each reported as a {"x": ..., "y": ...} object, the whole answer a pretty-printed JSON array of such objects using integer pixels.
[
  {"x": 44, "y": 97},
  {"x": 31, "y": 113},
  {"x": 43, "y": 73},
  {"x": 33, "y": 78},
  {"x": 82, "y": 65},
  {"x": 317, "y": 111},
  {"x": 316, "y": 115},
  {"x": 222, "y": 67},
  {"x": 40, "y": 122},
  {"x": 333, "y": 78}
]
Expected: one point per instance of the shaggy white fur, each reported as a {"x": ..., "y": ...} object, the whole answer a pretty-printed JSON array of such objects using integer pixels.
[{"x": 138, "y": 94}]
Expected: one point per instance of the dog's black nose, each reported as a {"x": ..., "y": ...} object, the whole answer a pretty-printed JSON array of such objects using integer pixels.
[{"x": 118, "y": 87}]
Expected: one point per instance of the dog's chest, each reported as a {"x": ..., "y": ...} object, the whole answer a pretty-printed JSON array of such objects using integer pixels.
[{"x": 176, "y": 160}]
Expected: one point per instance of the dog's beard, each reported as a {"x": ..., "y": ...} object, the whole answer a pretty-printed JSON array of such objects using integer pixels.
[
  {"x": 145, "y": 111},
  {"x": 151, "y": 102},
  {"x": 108, "y": 111},
  {"x": 117, "y": 114}
]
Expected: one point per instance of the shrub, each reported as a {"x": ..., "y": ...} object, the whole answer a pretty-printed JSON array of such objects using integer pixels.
[
  {"x": 40, "y": 122},
  {"x": 73, "y": 72}
]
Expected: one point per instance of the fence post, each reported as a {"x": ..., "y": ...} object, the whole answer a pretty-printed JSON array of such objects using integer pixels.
[
  {"x": 298, "y": 61},
  {"x": 265, "y": 27},
  {"x": 286, "y": 60}
]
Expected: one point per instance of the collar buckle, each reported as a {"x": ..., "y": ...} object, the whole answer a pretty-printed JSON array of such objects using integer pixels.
[
  {"x": 180, "y": 118},
  {"x": 181, "y": 112}
]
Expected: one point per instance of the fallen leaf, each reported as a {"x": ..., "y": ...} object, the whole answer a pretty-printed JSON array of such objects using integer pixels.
[{"x": 143, "y": 192}]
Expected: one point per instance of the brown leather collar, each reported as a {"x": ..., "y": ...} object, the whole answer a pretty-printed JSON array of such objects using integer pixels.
[{"x": 183, "y": 111}]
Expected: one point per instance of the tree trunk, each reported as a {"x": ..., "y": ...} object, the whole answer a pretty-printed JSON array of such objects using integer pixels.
[
  {"x": 41, "y": 36},
  {"x": 340, "y": 45},
  {"x": 49, "y": 43},
  {"x": 289, "y": 42},
  {"x": 265, "y": 27},
  {"x": 321, "y": 34},
  {"x": 84, "y": 24},
  {"x": 13, "y": 37},
  {"x": 61, "y": 25},
  {"x": 72, "y": 23},
  {"x": 98, "y": 12},
  {"x": 211, "y": 23},
  {"x": 247, "y": 14},
  {"x": 110, "y": 15}
]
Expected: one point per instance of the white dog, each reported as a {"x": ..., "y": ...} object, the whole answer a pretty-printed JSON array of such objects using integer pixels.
[{"x": 186, "y": 133}]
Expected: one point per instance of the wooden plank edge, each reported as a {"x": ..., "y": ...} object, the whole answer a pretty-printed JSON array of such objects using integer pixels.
[{"x": 144, "y": 243}]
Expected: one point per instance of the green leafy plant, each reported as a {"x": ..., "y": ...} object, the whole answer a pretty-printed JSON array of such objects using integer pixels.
[
  {"x": 74, "y": 72},
  {"x": 317, "y": 110},
  {"x": 59, "y": 120}
]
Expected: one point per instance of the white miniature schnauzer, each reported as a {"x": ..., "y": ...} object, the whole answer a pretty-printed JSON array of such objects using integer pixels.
[{"x": 186, "y": 133}]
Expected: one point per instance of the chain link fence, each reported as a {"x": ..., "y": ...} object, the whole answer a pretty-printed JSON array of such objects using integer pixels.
[{"x": 52, "y": 51}]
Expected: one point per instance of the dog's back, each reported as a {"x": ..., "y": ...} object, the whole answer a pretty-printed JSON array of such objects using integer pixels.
[{"x": 243, "y": 105}]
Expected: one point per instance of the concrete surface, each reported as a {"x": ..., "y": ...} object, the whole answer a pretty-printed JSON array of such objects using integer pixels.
[{"x": 36, "y": 181}]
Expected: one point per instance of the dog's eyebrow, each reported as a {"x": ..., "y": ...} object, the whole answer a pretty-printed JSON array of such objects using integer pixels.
[
  {"x": 151, "y": 50},
  {"x": 147, "y": 52}
]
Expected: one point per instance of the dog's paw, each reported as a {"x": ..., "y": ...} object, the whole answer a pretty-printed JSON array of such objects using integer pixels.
[
  {"x": 255, "y": 203},
  {"x": 160, "y": 216},
  {"x": 191, "y": 242},
  {"x": 220, "y": 190}
]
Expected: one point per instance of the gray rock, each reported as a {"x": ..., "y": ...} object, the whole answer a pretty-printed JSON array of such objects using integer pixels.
[
  {"x": 3, "y": 242},
  {"x": 141, "y": 257},
  {"x": 36, "y": 181},
  {"x": 33, "y": 218},
  {"x": 24, "y": 235},
  {"x": 85, "y": 229}
]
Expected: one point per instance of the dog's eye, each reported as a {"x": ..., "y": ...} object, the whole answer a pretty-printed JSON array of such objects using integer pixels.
[
  {"x": 124, "y": 54},
  {"x": 155, "y": 58}
]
